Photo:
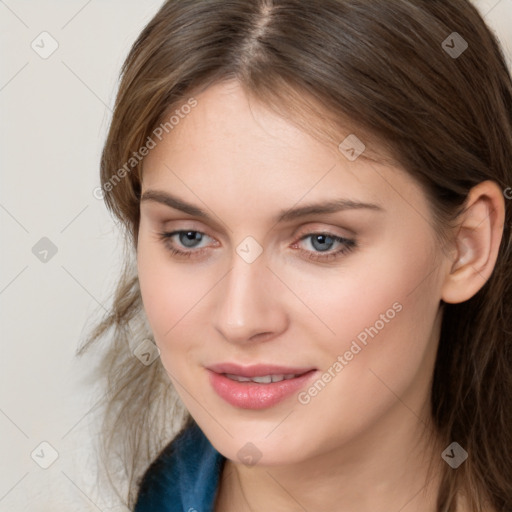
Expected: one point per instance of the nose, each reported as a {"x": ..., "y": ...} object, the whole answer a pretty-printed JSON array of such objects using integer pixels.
[{"x": 250, "y": 306}]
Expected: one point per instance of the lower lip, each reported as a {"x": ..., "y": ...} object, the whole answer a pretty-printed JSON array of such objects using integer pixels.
[{"x": 251, "y": 395}]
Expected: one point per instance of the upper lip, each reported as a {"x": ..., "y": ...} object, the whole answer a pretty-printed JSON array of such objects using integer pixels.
[{"x": 258, "y": 370}]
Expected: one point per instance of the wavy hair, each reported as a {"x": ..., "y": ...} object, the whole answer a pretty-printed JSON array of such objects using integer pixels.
[{"x": 388, "y": 68}]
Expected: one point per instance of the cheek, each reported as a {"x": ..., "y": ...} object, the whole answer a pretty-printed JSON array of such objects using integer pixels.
[
  {"x": 172, "y": 296},
  {"x": 162, "y": 291},
  {"x": 392, "y": 286},
  {"x": 383, "y": 317}
]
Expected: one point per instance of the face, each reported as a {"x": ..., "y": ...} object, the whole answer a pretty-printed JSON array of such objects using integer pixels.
[{"x": 345, "y": 302}]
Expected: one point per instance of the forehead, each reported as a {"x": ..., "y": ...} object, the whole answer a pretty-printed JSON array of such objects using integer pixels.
[{"x": 230, "y": 145}]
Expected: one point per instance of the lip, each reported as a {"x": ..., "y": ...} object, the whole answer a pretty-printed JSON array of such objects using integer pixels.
[
  {"x": 252, "y": 395},
  {"x": 258, "y": 370}
]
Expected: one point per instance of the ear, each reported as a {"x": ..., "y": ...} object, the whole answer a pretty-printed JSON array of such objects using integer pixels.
[{"x": 479, "y": 233}]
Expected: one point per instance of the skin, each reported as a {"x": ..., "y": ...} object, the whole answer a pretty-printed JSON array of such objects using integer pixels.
[{"x": 360, "y": 443}]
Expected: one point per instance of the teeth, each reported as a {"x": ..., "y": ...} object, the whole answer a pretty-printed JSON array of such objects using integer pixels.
[
  {"x": 239, "y": 378},
  {"x": 265, "y": 379}
]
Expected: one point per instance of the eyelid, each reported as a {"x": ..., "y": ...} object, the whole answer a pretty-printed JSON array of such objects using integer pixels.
[
  {"x": 307, "y": 229},
  {"x": 321, "y": 228},
  {"x": 172, "y": 226},
  {"x": 166, "y": 219}
]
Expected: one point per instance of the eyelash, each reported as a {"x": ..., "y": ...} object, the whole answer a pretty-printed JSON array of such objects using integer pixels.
[{"x": 348, "y": 246}]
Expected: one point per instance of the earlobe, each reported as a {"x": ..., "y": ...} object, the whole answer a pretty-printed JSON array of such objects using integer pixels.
[{"x": 480, "y": 230}]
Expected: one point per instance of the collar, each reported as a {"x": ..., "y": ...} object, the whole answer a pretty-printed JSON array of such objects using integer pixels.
[{"x": 184, "y": 477}]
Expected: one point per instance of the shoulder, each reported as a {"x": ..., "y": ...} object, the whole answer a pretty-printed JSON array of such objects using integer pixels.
[{"x": 184, "y": 476}]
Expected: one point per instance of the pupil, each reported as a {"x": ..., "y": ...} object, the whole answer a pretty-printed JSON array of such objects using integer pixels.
[
  {"x": 324, "y": 239},
  {"x": 190, "y": 238}
]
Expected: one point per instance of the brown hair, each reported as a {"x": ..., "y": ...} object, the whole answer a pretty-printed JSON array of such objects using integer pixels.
[{"x": 386, "y": 68}]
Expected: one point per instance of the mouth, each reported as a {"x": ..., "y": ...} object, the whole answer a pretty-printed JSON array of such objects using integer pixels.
[
  {"x": 264, "y": 379},
  {"x": 258, "y": 386}
]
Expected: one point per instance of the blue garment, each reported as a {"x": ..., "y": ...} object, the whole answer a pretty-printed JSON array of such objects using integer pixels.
[{"x": 184, "y": 477}]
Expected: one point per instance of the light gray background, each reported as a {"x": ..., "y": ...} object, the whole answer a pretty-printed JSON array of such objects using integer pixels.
[{"x": 54, "y": 114}]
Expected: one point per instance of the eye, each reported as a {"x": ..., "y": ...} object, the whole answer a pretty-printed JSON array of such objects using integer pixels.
[
  {"x": 187, "y": 238},
  {"x": 321, "y": 244}
]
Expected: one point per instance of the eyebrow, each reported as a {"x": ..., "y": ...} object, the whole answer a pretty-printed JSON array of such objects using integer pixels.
[{"x": 325, "y": 207}]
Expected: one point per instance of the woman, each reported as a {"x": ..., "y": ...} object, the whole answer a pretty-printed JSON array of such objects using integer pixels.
[{"x": 315, "y": 193}]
